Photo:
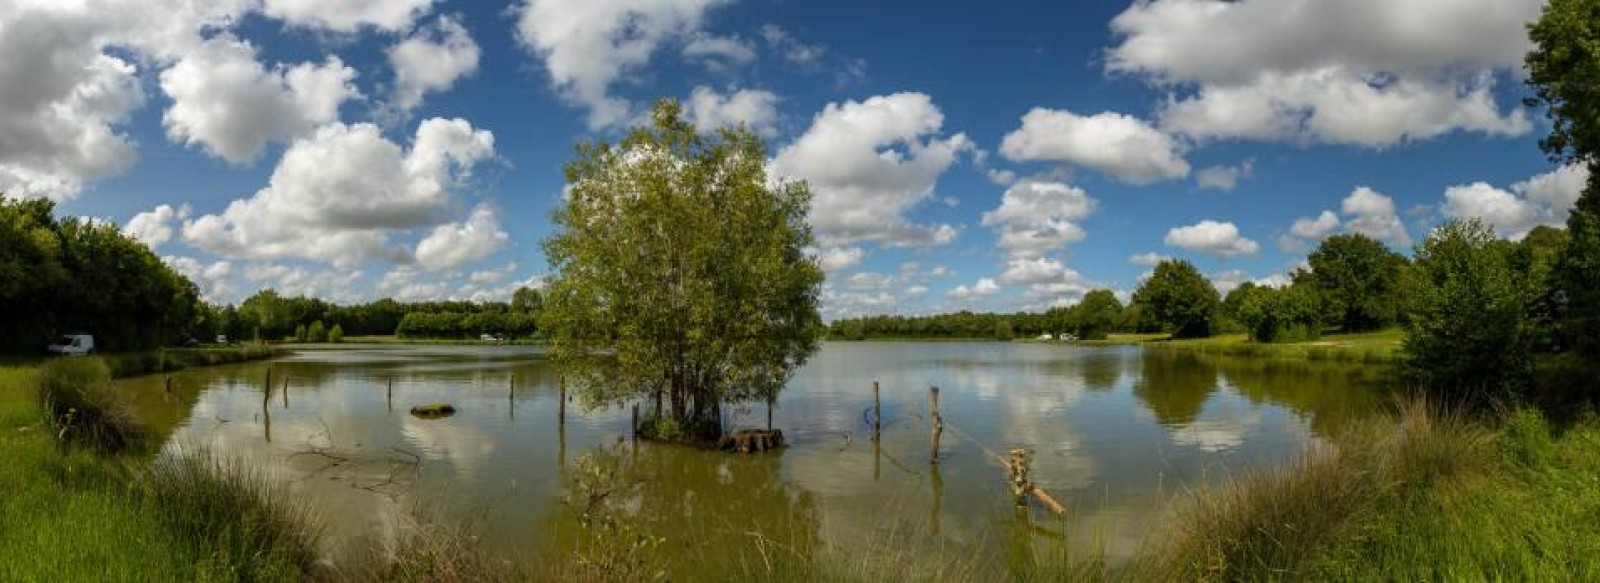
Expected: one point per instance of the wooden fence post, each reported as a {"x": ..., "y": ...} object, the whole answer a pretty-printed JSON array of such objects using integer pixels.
[
  {"x": 285, "y": 392},
  {"x": 389, "y": 396},
  {"x": 937, "y": 422},
  {"x": 877, "y": 412},
  {"x": 561, "y": 383}
]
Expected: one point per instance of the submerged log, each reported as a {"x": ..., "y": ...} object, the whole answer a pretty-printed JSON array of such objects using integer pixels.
[
  {"x": 751, "y": 440},
  {"x": 434, "y": 411}
]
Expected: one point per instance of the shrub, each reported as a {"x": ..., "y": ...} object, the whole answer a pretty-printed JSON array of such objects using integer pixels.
[
  {"x": 1290, "y": 314},
  {"x": 336, "y": 334},
  {"x": 1468, "y": 327},
  {"x": 317, "y": 332},
  {"x": 84, "y": 408},
  {"x": 300, "y": 333}
]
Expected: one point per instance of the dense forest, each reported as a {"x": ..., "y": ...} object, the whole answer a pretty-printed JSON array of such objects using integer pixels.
[
  {"x": 270, "y": 316},
  {"x": 74, "y": 275}
]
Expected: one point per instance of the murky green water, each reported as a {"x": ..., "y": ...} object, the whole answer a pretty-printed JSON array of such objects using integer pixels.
[{"x": 1116, "y": 434}]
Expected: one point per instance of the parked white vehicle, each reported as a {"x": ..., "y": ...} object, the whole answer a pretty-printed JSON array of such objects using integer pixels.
[{"x": 73, "y": 345}]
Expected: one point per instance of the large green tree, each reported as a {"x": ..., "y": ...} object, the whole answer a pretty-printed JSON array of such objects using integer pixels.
[
  {"x": 1358, "y": 281},
  {"x": 1097, "y": 315},
  {"x": 680, "y": 274},
  {"x": 1180, "y": 298},
  {"x": 1562, "y": 70},
  {"x": 1468, "y": 328}
]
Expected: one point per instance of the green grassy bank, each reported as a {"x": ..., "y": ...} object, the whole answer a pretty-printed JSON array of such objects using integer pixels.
[
  {"x": 1369, "y": 347},
  {"x": 74, "y": 511}
]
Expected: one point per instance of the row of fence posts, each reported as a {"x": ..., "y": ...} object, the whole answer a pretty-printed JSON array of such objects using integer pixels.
[{"x": 1016, "y": 467}]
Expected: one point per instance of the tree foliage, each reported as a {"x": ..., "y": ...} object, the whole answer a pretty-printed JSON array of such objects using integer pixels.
[
  {"x": 680, "y": 273},
  {"x": 1098, "y": 314},
  {"x": 1467, "y": 328},
  {"x": 1358, "y": 280},
  {"x": 1178, "y": 297},
  {"x": 1292, "y": 313},
  {"x": 72, "y": 275},
  {"x": 1562, "y": 70}
]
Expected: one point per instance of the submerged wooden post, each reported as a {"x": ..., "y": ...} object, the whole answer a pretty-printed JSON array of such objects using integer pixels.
[
  {"x": 1016, "y": 468},
  {"x": 389, "y": 396},
  {"x": 937, "y": 423},
  {"x": 938, "y": 495},
  {"x": 635, "y": 421},
  {"x": 286, "y": 392},
  {"x": 266, "y": 389},
  {"x": 769, "y": 414},
  {"x": 169, "y": 383},
  {"x": 877, "y": 412},
  {"x": 561, "y": 388}
]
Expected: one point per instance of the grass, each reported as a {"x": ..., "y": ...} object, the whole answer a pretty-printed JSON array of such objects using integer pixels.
[
  {"x": 1368, "y": 347},
  {"x": 171, "y": 359},
  {"x": 391, "y": 339},
  {"x": 77, "y": 399},
  {"x": 1431, "y": 495},
  {"x": 86, "y": 514}
]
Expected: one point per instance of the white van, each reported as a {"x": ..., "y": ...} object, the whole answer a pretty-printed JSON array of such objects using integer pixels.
[{"x": 73, "y": 345}]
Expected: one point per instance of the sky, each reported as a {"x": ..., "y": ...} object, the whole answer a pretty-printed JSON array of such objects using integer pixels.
[{"x": 996, "y": 156}]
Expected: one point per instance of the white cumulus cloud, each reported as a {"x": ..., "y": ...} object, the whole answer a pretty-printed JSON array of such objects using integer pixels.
[
  {"x": 869, "y": 163},
  {"x": 337, "y": 195},
  {"x": 454, "y": 245},
  {"x": 430, "y": 61},
  {"x": 1123, "y": 146},
  {"x": 1036, "y": 218},
  {"x": 754, "y": 108},
  {"x": 155, "y": 226},
  {"x": 588, "y": 45},
  {"x": 225, "y": 101},
  {"x": 1362, "y": 72},
  {"x": 1212, "y": 237}
]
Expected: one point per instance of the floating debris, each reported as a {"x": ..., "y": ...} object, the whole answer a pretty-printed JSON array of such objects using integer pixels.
[{"x": 434, "y": 411}]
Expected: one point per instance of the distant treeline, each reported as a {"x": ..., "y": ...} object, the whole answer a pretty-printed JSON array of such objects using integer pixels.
[
  {"x": 1096, "y": 315},
  {"x": 270, "y": 316},
  {"x": 76, "y": 275}
]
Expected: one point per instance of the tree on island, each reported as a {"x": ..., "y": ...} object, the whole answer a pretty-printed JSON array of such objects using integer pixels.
[
  {"x": 1181, "y": 299},
  {"x": 681, "y": 277}
]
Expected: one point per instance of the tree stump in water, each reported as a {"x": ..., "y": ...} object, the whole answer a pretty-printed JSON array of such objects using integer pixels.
[
  {"x": 751, "y": 440},
  {"x": 434, "y": 411}
]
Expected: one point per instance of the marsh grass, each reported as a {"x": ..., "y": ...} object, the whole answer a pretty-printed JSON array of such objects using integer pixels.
[
  {"x": 83, "y": 407},
  {"x": 91, "y": 514},
  {"x": 247, "y": 525},
  {"x": 173, "y": 359}
]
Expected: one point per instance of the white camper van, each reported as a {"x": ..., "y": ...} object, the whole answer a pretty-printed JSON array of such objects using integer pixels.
[{"x": 73, "y": 345}]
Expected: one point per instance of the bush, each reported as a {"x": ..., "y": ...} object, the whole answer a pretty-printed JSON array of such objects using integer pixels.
[
  {"x": 1290, "y": 314},
  {"x": 83, "y": 407},
  {"x": 1468, "y": 326},
  {"x": 300, "y": 333},
  {"x": 336, "y": 334},
  {"x": 317, "y": 333}
]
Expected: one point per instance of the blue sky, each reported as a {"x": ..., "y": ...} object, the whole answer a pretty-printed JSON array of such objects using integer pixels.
[{"x": 989, "y": 156}]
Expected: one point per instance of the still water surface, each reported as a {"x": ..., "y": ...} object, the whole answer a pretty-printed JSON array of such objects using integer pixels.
[{"x": 1116, "y": 433}]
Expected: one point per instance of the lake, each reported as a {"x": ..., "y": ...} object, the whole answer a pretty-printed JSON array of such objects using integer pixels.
[{"x": 1116, "y": 434}]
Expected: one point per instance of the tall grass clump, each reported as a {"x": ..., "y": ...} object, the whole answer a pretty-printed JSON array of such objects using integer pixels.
[
  {"x": 246, "y": 526},
  {"x": 1311, "y": 517},
  {"x": 84, "y": 408}
]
